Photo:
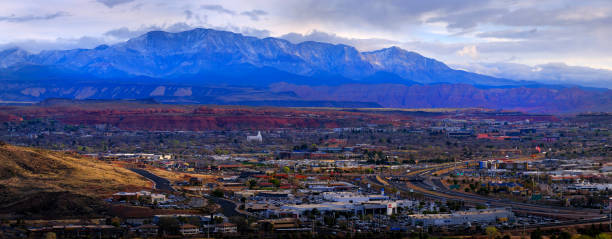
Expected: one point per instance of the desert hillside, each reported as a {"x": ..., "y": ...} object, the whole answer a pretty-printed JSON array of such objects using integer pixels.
[{"x": 32, "y": 180}]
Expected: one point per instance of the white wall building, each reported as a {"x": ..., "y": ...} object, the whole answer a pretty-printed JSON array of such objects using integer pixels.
[
  {"x": 257, "y": 138},
  {"x": 484, "y": 216}
]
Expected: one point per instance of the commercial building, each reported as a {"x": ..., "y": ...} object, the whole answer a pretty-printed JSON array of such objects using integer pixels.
[{"x": 484, "y": 216}]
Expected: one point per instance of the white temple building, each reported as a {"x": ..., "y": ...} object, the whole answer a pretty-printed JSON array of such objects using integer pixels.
[{"x": 257, "y": 138}]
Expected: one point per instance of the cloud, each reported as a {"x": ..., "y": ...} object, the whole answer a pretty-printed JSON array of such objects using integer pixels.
[
  {"x": 254, "y": 14},
  {"x": 389, "y": 15},
  {"x": 320, "y": 36},
  {"x": 468, "y": 19},
  {"x": 217, "y": 8},
  {"x": 470, "y": 51},
  {"x": 510, "y": 34},
  {"x": 27, "y": 18},
  {"x": 188, "y": 14},
  {"x": 529, "y": 32},
  {"x": 125, "y": 33},
  {"x": 57, "y": 44},
  {"x": 247, "y": 31},
  {"x": 550, "y": 73},
  {"x": 112, "y": 3}
]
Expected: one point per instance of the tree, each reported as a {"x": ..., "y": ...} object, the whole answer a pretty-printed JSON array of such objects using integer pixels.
[
  {"x": 210, "y": 209},
  {"x": 329, "y": 220},
  {"x": 217, "y": 193},
  {"x": 115, "y": 221},
  {"x": 565, "y": 235},
  {"x": 286, "y": 169},
  {"x": 241, "y": 223},
  {"x": 169, "y": 225},
  {"x": 275, "y": 181},
  {"x": 492, "y": 232},
  {"x": 537, "y": 234},
  {"x": 252, "y": 183},
  {"x": 50, "y": 235},
  {"x": 314, "y": 213}
]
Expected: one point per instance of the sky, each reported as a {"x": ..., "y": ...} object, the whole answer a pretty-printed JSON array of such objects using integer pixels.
[{"x": 564, "y": 41}]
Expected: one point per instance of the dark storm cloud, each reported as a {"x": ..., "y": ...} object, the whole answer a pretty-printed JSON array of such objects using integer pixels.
[
  {"x": 112, "y": 3},
  {"x": 27, "y": 18}
]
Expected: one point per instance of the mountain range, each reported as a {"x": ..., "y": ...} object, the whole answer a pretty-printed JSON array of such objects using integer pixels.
[{"x": 207, "y": 66}]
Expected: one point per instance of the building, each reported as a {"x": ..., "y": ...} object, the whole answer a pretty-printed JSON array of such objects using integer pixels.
[
  {"x": 257, "y": 138},
  {"x": 157, "y": 198},
  {"x": 352, "y": 197},
  {"x": 78, "y": 231},
  {"x": 189, "y": 230},
  {"x": 484, "y": 216},
  {"x": 148, "y": 230},
  {"x": 226, "y": 228},
  {"x": 376, "y": 207},
  {"x": 280, "y": 224}
]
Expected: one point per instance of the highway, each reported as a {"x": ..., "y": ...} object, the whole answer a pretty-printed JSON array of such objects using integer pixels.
[{"x": 436, "y": 190}]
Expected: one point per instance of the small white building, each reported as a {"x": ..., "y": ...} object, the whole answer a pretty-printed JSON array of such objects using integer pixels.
[
  {"x": 226, "y": 228},
  {"x": 189, "y": 230},
  {"x": 257, "y": 138},
  {"x": 157, "y": 198}
]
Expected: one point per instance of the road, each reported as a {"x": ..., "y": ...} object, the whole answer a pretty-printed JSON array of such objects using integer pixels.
[
  {"x": 228, "y": 208},
  {"x": 160, "y": 183},
  {"x": 436, "y": 190}
]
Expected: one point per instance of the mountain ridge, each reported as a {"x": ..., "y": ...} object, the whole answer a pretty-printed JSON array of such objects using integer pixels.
[
  {"x": 205, "y": 66},
  {"x": 161, "y": 54}
]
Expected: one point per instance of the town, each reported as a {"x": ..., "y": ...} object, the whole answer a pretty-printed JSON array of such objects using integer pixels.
[{"x": 456, "y": 173}]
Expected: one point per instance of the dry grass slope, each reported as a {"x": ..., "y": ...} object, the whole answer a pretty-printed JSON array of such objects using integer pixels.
[{"x": 26, "y": 174}]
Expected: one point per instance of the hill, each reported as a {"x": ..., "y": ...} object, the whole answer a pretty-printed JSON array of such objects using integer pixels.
[
  {"x": 43, "y": 183},
  {"x": 139, "y": 115}
]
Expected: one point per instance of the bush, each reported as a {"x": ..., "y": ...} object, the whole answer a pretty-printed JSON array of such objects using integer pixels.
[{"x": 217, "y": 193}]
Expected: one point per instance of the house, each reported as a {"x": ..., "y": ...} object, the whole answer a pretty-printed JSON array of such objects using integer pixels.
[
  {"x": 226, "y": 228},
  {"x": 157, "y": 198},
  {"x": 148, "y": 230},
  {"x": 281, "y": 223},
  {"x": 189, "y": 230}
]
